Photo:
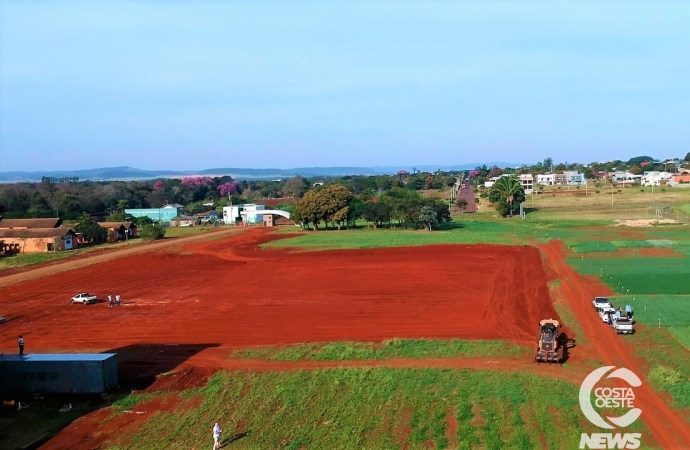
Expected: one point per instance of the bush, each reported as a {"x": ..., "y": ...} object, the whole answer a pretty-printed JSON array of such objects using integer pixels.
[
  {"x": 152, "y": 232},
  {"x": 665, "y": 375}
]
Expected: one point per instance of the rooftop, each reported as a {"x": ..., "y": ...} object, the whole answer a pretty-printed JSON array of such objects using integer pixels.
[
  {"x": 30, "y": 223},
  {"x": 42, "y": 357},
  {"x": 34, "y": 232},
  {"x": 116, "y": 224}
]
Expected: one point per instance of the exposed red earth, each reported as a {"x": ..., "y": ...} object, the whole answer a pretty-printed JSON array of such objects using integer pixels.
[
  {"x": 186, "y": 307},
  {"x": 229, "y": 292}
]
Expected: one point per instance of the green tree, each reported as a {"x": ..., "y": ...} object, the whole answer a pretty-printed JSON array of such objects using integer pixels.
[
  {"x": 122, "y": 204},
  {"x": 376, "y": 212},
  {"x": 687, "y": 157},
  {"x": 152, "y": 232},
  {"x": 428, "y": 217},
  {"x": 143, "y": 220},
  {"x": 90, "y": 229},
  {"x": 509, "y": 190},
  {"x": 120, "y": 217},
  {"x": 333, "y": 200},
  {"x": 635, "y": 170},
  {"x": 354, "y": 211},
  {"x": 548, "y": 162},
  {"x": 310, "y": 210},
  {"x": 461, "y": 203},
  {"x": 341, "y": 217}
]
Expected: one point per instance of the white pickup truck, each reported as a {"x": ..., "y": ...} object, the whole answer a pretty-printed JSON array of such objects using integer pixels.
[
  {"x": 84, "y": 298},
  {"x": 623, "y": 326},
  {"x": 600, "y": 303},
  {"x": 606, "y": 314}
]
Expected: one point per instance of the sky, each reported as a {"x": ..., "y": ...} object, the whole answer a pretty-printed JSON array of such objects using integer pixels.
[{"x": 259, "y": 84}]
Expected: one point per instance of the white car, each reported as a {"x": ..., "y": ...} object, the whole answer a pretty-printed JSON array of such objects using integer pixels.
[
  {"x": 84, "y": 298},
  {"x": 623, "y": 326},
  {"x": 606, "y": 314},
  {"x": 601, "y": 302}
]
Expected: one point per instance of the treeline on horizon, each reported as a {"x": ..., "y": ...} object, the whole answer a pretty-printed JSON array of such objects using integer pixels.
[{"x": 71, "y": 199}]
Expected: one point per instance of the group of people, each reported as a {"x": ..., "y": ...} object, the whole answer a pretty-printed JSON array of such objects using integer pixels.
[
  {"x": 110, "y": 300},
  {"x": 619, "y": 313}
]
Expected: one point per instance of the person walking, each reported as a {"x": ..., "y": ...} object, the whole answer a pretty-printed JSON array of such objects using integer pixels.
[
  {"x": 110, "y": 301},
  {"x": 217, "y": 432},
  {"x": 21, "y": 345},
  {"x": 117, "y": 300}
]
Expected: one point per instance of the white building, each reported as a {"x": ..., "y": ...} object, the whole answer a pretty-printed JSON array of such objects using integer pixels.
[
  {"x": 625, "y": 178},
  {"x": 249, "y": 212},
  {"x": 575, "y": 178},
  {"x": 655, "y": 178},
  {"x": 490, "y": 182},
  {"x": 527, "y": 182},
  {"x": 545, "y": 179}
]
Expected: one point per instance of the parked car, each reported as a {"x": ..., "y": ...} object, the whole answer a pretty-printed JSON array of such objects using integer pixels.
[
  {"x": 606, "y": 314},
  {"x": 601, "y": 302},
  {"x": 84, "y": 298},
  {"x": 185, "y": 224},
  {"x": 623, "y": 326},
  {"x": 2, "y": 319}
]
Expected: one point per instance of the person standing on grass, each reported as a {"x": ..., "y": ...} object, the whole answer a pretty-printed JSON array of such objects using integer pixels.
[
  {"x": 628, "y": 311},
  {"x": 217, "y": 431},
  {"x": 117, "y": 300},
  {"x": 21, "y": 345}
]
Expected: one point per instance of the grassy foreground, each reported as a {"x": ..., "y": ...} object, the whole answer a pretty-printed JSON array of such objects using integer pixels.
[
  {"x": 393, "y": 348},
  {"x": 368, "y": 408}
]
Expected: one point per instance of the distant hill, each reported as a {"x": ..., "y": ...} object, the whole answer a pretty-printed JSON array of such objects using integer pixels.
[{"x": 130, "y": 173}]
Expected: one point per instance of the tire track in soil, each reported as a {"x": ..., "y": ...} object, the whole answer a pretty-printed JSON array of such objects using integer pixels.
[
  {"x": 667, "y": 426},
  {"x": 213, "y": 358}
]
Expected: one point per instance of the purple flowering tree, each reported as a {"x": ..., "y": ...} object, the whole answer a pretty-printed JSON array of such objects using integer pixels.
[
  {"x": 228, "y": 188},
  {"x": 191, "y": 182}
]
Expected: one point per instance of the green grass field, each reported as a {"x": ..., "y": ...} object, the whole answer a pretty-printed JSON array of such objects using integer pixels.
[
  {"x": 393, "y": 348},
  {"x": 369, "y": 408},
  {"x": 639, "y": 275},
  {"x": 463, "y": 230},
  {"x": 672, "y": 312},
  {"x": 175, "y": 232},
  {"x": 662, "y": 350},
  {"x": 26, "y": 259}
]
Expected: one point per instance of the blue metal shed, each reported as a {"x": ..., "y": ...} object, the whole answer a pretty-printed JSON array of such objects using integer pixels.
[{"x": 80, "y": 373}]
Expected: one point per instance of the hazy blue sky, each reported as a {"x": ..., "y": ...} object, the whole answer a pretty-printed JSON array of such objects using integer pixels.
[{"x": 190, "y": 85}]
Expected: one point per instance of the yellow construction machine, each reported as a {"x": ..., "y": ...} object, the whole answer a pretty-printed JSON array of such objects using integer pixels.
[{"x": 551, "y": 347}]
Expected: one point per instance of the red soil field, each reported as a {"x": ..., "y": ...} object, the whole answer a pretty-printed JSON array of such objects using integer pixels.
[{"x": 230, "y": 293}]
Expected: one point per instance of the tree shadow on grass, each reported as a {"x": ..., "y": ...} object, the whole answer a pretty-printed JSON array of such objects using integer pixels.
[{"x": 449, "y": 226}]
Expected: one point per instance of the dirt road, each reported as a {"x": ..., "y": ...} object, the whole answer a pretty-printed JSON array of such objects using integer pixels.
[{"x": 668, "y": 428}]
